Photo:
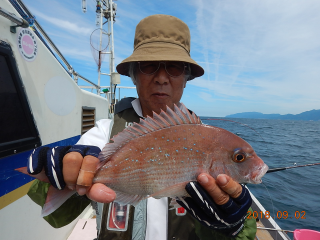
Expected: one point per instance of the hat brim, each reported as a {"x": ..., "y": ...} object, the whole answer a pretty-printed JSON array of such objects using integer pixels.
[{"x": 160, "y": 51}]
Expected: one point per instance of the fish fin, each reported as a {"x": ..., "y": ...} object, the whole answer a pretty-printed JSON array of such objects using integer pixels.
[
  {"x": 162, "y": 123},
  {"x": 55, "y": 198},
  {"x": 174, "y": 116},
  {"x": 188, "y": 115},
  {"x": 124, "y": 198},
  {"x": 177, "y": 116},
  {"x": 173, "y": 204},
  {"x": 172, "y": 191},
  {"x": 40, "y": 176},
  {"x": 182, "y": 116}
]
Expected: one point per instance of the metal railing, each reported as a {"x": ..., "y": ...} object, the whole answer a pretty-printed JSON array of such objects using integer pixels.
[
  {"x": 20, "y": 21},
  {"x": 23, "y": 23},
  {"x": 12, "y": 17}
]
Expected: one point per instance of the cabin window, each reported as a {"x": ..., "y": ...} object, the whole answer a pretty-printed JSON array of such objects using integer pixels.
[
  {"x": 18, "y": 131},
  {"x": 88, "y": 118}
]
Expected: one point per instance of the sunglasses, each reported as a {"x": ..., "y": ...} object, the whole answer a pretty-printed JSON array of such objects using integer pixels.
[{"x": 173, "y": 68}]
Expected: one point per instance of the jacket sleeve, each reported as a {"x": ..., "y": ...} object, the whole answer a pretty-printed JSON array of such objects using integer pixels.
[{"x": 248, "y": 232}]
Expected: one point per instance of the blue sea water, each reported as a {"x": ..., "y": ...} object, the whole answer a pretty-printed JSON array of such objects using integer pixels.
[{"x": 282, "y": 143}]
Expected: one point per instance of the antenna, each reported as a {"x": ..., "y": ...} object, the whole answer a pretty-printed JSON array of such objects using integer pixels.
[
  {"x": 84, "y": 6},
  {"x": 99, "y": 14}
]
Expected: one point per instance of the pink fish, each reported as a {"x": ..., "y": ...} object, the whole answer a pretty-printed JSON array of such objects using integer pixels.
[{"x": 160, "y": 155}]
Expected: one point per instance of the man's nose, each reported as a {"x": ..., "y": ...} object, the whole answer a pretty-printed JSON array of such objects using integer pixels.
[{"x": 161, "y": 77}]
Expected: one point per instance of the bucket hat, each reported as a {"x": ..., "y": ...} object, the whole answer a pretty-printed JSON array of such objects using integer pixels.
[{"x": 161, "y": 38}]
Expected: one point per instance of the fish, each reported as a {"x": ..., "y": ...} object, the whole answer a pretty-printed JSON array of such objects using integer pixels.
[{"x": 160, "y": 155}]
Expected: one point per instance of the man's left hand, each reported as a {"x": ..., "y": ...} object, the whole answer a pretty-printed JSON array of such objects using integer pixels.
[{"x": 221, "y": 204}]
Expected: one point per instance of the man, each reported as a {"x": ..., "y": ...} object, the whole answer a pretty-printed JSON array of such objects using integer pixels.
[{"x": 160, "y": 67}]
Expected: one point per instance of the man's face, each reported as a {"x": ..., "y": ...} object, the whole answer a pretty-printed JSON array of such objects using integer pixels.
[{"x": 158, "y": 90}]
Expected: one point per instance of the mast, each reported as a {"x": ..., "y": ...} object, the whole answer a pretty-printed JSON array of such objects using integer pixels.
[
  {"x": 109, "y": 13},
  {"x": 106, "y": 9}
]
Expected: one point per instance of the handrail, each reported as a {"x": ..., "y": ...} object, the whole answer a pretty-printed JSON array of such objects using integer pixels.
[
  {"x": 12, "y": 17},
  {"x": 71, "y": 70},
  {"x": 46, "y": 37},
  {"x": 55, "y": 48},
  {"x": 107, "y": 87},
  {"x": 83, "y": 78}
]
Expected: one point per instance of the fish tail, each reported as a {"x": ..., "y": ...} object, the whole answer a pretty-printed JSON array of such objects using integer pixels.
[
  {"x": 55, "y": 198},
  {"x": 40, "y": 176}
]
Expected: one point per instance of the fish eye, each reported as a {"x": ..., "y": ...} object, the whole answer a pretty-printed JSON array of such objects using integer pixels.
[{"x": 239, "y": 156}]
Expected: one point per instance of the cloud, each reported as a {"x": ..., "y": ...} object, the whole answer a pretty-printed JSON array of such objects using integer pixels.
[
  {"x": 266, "y": 51},
  {"x": 206, "y": 96},
  {"x": 66, "y": 25}
]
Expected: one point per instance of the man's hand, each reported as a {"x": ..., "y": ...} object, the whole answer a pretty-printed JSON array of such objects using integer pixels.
[
  {"x": 78, "y": 172},
  {"x": 221, "y": 189},
  {"x": 221, "y": 204},
  {"x": 72, "y": 167}
]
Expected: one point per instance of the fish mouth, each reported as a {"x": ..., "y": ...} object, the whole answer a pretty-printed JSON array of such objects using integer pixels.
[{"x": 258, "y": 174}]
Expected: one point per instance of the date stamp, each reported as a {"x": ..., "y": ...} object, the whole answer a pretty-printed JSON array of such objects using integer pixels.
[{"x": 280, "y": 215}]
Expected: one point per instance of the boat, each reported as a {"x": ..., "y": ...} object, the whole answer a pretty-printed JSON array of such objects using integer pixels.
[{"x": 39, "y": 94}]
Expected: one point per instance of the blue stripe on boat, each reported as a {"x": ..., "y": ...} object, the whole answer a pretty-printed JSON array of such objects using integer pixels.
[{"x": 11, "y": 179}]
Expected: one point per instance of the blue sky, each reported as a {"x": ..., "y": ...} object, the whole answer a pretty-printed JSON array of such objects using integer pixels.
[{"x": 261, "y": 56}]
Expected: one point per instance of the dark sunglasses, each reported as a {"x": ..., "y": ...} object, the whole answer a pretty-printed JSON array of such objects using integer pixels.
[{"x": 173, "y": 68}]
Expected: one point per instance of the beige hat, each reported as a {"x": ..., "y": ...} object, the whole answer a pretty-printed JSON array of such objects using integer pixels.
[{"x": 161, "y": 38}]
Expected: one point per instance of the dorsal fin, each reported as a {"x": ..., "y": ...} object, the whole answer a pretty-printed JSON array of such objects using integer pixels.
[
  {"x": 159, "y": 121},
  {"x": 166, "y": 117},
  {"x": 152, "y": 122},
  {"x": 188, "y": 115}
]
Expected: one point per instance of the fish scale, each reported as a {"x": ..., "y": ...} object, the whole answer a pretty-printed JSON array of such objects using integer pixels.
[{"x": 158, "y": 156}]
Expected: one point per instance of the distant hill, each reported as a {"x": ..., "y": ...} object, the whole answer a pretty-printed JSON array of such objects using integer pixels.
[{"x": 313, "y": 115}]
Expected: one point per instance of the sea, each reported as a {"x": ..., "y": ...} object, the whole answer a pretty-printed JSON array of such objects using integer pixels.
[{"x": 291, "y": 196}]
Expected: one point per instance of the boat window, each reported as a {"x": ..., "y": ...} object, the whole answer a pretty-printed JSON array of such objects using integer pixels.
[{"x": 17, "y": 128}]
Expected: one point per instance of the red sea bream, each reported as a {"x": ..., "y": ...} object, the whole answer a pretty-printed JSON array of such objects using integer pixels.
[{"x": 160, "y": 155}]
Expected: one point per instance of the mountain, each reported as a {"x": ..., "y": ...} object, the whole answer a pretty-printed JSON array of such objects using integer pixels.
[{"x": 313, "y": 115}]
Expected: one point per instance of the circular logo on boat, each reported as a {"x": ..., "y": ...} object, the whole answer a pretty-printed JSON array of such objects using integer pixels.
[{"x": 27, "y": 44}]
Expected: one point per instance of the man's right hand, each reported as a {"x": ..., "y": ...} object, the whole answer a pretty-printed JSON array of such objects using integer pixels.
[
  {"x": 78, "y": 172},
  {"x": 73, "y": 167}
]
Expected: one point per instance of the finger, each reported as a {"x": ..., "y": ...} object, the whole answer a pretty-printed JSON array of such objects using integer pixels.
[
  {"x": 228, "y": 185},
  {"x": 87, "y": 171},
  {"x": 244, "y": 198},
  {"x": 209, "y": 184},
  {"x": 101, "y": 193},
  {"x": 71, "y": 166}
]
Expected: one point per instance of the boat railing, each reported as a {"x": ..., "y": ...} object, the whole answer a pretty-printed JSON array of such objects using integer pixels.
[
  {"x": 107, "y": 94},
  {"x": 27, "y": 17},
  {"x": 12, "y": 17},
  {"x": 23, "y": 22}
]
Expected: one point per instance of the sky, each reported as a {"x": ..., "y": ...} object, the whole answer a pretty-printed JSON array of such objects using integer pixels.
[{"x": 258, "y": 56}]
